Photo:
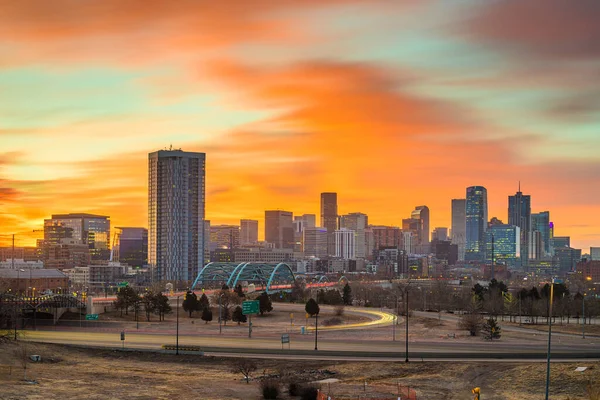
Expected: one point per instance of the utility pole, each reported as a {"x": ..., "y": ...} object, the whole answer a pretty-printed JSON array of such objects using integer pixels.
[
  {"x": 316, "y": 330},
  {"x": 549, "y": 338},
  {"x": 177, "y": 334},
  {"x": 492, "y": 271},
  {"x": 406, "y": 297}
]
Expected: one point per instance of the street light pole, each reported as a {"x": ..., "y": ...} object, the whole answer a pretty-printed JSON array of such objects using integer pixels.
[
  {"x": 220, "y": 312},
  {"x": 549, "y": 338},
  {"x": 177, "y": 334},
  {"x": 406, "y": 297},
  {"x": 583, "y": 315},
  {"x": 316, "y": 329}
]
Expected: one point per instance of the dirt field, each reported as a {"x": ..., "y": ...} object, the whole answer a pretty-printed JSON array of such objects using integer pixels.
[{"x": 71, "y": 373}]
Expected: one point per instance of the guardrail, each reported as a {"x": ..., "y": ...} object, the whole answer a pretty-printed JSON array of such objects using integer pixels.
[{"x": 182, "y": 348}]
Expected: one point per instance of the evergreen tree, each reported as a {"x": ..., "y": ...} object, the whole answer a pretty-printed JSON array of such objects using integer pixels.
[
  {"x": 312, "y": 308},
  {"x": 265, "y": 304},
  {"x": 347, "y": 295},
  {"x": 126, "y": 298},
  {"x": 207, "y": 315},
  {"x": 190, "y": 302},
  {"x": 239, "y": 291},
  {"x": 238, "y": 316},
  {"x": 162, "y": 306},
  {"x": 203, "y": 302},
  {"x": 490, "y": 329}
]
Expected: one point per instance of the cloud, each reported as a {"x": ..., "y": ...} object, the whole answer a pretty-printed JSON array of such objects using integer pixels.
[{"x": 540, "y": 28}]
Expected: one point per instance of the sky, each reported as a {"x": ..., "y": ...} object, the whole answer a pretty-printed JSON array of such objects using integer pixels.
[{"x": 391, "y": 104}]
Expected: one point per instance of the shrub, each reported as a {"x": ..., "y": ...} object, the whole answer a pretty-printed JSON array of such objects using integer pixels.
[
  {"x": 332, "y": 321},
  {"x": 294, "y": 389},
  {"x": 309, "y": 393},
  {"x": 269, "y": 388}
]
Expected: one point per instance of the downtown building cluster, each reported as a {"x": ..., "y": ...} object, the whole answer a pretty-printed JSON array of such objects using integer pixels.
[{"x": 179, "y": 240}]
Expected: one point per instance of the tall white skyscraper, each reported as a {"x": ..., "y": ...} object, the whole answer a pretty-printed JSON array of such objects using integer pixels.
[
  {"x": 345, "y": 244},
  {"x": 176, "y": 201},
  {"x": 459, "y": 226}
]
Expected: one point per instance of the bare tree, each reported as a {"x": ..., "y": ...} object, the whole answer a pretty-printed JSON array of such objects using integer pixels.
[
  {"x": 471, "y": 322},
  {"x": 245, "y": 366},
  {"x": 21, "y": 357}
]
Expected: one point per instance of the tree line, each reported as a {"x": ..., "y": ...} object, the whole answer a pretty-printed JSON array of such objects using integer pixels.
[{"x": 228, "y": 304}]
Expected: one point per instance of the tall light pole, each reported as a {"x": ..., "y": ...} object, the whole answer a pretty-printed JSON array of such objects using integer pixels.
[
  {"x": 549, "y": 337},
  {"x": 589, "y": 278},
  {"x": 406, "y": 298},
  {"x": 220, "y": 312},
  {"x": 316, "y": 329},
  {"x": 177, "y": 334}
]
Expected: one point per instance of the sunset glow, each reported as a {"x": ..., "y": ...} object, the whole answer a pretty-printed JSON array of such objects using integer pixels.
[{"x": 391, "y": 104}]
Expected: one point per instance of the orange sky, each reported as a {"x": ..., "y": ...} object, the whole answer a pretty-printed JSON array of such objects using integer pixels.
[{"x": 391, "y": 104}]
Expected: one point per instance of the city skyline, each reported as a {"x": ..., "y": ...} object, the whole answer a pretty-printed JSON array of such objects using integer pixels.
[{"x": 389, "y": 104}]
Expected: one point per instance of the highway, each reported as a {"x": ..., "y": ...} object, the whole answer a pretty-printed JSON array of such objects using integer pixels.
[{"x": 328, "y": 348}]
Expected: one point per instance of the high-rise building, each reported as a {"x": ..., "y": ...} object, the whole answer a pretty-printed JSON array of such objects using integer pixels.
[
  {"x": 248, "y": 232},
  {"x": 568, "y": 258},
  {"x": 439, "y": 234},
  {"x": 541, "y": 222},
  {"x": 302, "y": 222},
  {"x": 504, "y": 245},
  {"x": 560, "y": 242},
  {"x": 459, "y": 226},
  {"x": 408, "y": 242},
  {"x": 476, "y": 215},
  {"x": 536, "y": 245},
  {"x": 309, "y": 220},
  {"x": 176, "y": 203},
  {"x": 421, "y": 213},
  {"x": 595, "y": 253},
  {"x": 329, "y": 219},
  {"x": 279, "y": 228},
  {"x": 386, "y": 236},
  {"x": 224, "y": 237},
  {"x": 519, "y": 214},
  {"x": 90, "y": 229},
  {"x": 345, "y": 244},
  {"x": 315, "y": 242},
  {"x": 132, "y": 246},
  {"x": 357, "y": 222}
]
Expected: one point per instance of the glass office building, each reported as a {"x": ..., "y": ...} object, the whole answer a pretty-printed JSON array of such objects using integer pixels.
[
  {"x": 476, "y": 215},
  {"x": 503, "y": 243}
]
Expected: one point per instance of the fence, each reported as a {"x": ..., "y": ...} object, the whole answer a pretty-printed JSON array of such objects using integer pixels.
[{"x": 405, "y": 393}]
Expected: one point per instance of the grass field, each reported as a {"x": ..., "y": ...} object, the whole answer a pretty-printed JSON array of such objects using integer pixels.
[{"x": 75, "y": 373}]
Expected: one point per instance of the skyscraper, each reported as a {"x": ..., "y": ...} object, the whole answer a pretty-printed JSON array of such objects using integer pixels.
[
  {"x": 248, "y": 232},
  {"x": 421, "y": 213},
  {"x": 459, "y": 226},
  {"x": 224, "y": 237},
  {"x": 505, "y": 240},
  {"x": 315, "y": 242},
  {"x": 92, "y": 230},
  {"x": 519, "y": 214},
  {"x": 345, "y": 244},
  {"x": 132, "y": 246},
  {"x": 176, "y": 190},
  {"x": 476, "y": 215},
  {"x": 357, "y": 222},
  {"x": 541, "y": 222},
  {"x": 279, "y": 228},
  {"x": 329, "y": 217},
  {"x": 418, "y": 225}
]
